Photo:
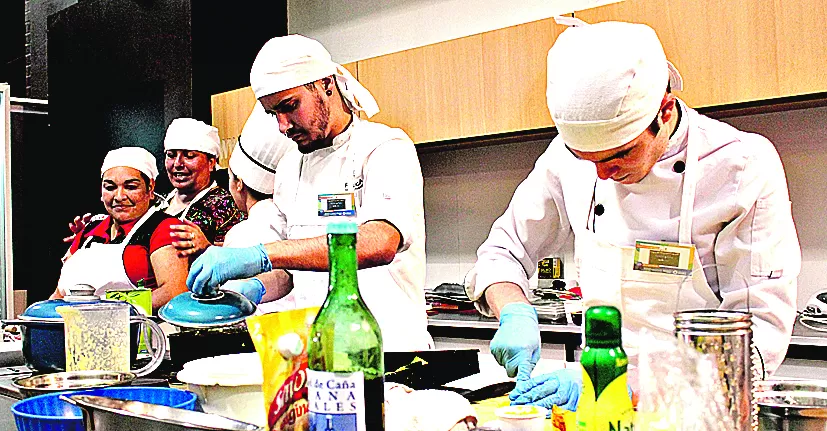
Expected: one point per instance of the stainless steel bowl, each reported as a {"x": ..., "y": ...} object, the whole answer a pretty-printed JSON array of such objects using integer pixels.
[
  {"x": 109, "y": 414},
  {"x": 71, "y": 380},
  {"x": 799, "y": 405}
]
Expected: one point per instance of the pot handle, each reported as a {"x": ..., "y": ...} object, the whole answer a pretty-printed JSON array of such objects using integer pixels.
[
  {"x": 156, "y": 345},
  {"x": 6, "y": 322}
]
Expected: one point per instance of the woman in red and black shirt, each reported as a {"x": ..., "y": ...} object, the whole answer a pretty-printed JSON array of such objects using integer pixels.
[{"x": 133, "y": 242}]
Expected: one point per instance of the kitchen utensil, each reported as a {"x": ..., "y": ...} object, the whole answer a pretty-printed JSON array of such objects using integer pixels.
[
  {"x": 71, "y": 380},
  {"x": 43, "y": 332},
  {"x": 484, "y": 393},
  {"x": 792, "y": 405},
  {"x": 429, "y": 369},
  {"x": 228, "y": 385},
  {"x": 49, "y": 412},
  {"x": 225, "y": 307},
  {"x": 727, "y": 335},
  {"x": 97, "y": 337},
  {"x": 107, "y": 414}
]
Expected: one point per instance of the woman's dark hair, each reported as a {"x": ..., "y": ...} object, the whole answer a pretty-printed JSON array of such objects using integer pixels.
[{"x": 257, "y": 195}]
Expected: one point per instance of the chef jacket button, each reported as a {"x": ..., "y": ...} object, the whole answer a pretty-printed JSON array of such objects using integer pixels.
[
  {"x": 599, "y": 210},
  {"x": 679, "y": 166}
]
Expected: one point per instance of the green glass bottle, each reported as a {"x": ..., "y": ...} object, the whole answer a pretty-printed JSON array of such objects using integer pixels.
[
  {"x": 345, "y": 364},
  {"x": 604, "y": 403}
]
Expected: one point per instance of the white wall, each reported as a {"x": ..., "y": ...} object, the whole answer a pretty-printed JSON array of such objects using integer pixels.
[
  {"x": 801, "y": 139},
  {"x": 359, "y": 29},
  {"x": 466, "y": 190}
]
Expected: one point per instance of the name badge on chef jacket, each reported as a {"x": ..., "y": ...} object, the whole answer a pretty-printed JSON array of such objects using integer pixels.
[
  {"x": 665, "y": 257},
  {"x": 337, "y": 204}
]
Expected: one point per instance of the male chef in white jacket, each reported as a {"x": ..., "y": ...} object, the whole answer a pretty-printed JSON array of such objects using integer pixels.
[
  {"x": 343, "y": 166},
  {"x": 633, "y": 163}
]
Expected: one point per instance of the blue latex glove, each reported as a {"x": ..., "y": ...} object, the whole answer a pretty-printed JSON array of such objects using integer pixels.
[
  {"x": 516, "y": 345},
  {"x": 252, "y": 288},
  {"x": 218, "y": 265},
  {"x": 561, "y": 388}
]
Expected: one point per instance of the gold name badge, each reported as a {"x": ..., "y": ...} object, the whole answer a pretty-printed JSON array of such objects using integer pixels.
[{"x": 665, "y": 257}]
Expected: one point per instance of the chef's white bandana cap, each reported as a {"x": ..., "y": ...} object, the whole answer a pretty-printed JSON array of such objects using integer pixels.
[
  {"x": 131, "y": 157},
  {"x": 290, "y": 61},
  {"x": 258, "y": 151},
  {"x": 606, "y": 82},
  {"x": 192, "y": 135}
]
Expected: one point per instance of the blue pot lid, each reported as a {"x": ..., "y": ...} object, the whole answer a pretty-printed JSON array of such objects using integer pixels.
[
  {"x": 45, "y": 310},
  {"x": 188, "y": 311}
]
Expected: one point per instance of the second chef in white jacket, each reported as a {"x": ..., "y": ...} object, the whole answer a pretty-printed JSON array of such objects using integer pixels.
[
  {"x": 634, "y": 163},
  {"x": 340, "y": 166}
]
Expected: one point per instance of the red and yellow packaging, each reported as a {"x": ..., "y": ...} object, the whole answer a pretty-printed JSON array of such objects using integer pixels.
[{"x": 281, "y": 342}]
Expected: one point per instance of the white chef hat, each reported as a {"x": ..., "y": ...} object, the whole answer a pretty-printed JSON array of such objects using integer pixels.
[
  {"x": 290, "y": 61},
  {"x": 192, "y": 135},
  {"x": 606, "y": 82},
  {"x": 259, "y": 150},
  {"x": 131, "y": 157}
]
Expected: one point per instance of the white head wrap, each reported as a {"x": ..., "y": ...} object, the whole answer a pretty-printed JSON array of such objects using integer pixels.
[
  {"x": 131, "y": 157},
  {"x": 606, "y": 82},
  {"x": 192, "y": 135},
  {"x": 259, "y": 150},
  {"x": 290, "y": 61}
]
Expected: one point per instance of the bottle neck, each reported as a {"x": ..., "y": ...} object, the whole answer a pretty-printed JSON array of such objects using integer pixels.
[{"x": 343, "y": 265}]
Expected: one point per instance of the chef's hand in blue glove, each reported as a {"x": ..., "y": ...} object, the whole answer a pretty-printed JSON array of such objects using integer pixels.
[
  {"x": 218, "y": 265},
  {"x": 561, "y": 388},
  {"x": 516, "y": 345},
  {"x": 252, "y": 288}
]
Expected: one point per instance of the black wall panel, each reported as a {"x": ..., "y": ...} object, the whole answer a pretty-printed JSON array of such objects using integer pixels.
[{"x": 119, "y": 71}]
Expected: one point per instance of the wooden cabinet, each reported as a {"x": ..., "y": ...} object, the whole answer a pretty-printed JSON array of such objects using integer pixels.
[
  {"x": 514, "y": 68},
  {"x": 495, "y": 82},
  {"x": 433, "y": 93}
]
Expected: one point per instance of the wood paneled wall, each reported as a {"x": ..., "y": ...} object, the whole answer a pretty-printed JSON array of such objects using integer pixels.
[{"x": 495, "y": 82}]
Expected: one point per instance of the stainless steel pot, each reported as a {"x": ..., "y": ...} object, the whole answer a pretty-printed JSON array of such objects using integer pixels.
[
  {"x": 109, "y": 414},
  {"x": 799, "y": 405}
]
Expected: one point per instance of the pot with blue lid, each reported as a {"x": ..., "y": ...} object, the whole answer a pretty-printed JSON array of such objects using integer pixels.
[{"x": 43, "y": 330}]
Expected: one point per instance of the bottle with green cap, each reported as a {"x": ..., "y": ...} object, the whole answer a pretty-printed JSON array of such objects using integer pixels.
[
  {"x": 604, "y": 403},
  {"x": 345, "y": 367}
]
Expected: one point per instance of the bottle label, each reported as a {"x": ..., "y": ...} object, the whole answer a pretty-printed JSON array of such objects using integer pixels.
[
  {"x": 337, "y": 401},
  {"x": 612, "y": 410}
]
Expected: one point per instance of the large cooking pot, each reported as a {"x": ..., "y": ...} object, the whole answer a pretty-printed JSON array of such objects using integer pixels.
[
  {"x": 799, "y": 405},
  {"x": 43, "y": 332}
]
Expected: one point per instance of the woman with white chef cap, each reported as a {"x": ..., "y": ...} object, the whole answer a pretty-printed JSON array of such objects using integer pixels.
[
  {"x": 133, "y": 242},
  {"x": 208, "y": 211},
  {"x": 633, "y": 163},
  {"x": 341, "y": 166},
  {"x": 252, "y": 179}
]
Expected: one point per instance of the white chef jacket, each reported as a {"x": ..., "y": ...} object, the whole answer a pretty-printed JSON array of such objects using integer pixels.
[
  {"x": 380, "y": 166},
  {"x": 741, "y": 220},
  {"x": 260, "y": 226}
]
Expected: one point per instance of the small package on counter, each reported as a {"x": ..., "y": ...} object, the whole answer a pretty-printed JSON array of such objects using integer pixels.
[{"x": 281, "y": 342}]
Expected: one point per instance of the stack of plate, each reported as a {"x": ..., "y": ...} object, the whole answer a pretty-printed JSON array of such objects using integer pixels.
[{"x": 550, "y": 310}]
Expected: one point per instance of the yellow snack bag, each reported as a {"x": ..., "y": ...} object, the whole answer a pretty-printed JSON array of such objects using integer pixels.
[{"x": 281, "y": 342}]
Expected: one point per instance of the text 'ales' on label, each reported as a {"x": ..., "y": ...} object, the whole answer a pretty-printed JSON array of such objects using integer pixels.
[{"x": 336, "y": 401}]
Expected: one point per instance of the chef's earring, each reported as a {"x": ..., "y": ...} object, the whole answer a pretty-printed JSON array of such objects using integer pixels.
[{"x": 329, "y": 92}]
